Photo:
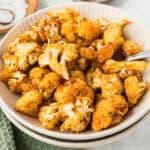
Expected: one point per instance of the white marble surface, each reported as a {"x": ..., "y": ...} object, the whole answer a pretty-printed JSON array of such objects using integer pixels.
[{"x": 139, "y": 139}]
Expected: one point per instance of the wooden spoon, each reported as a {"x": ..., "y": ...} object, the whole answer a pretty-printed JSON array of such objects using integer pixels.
[{"x": 32, "y": 6}]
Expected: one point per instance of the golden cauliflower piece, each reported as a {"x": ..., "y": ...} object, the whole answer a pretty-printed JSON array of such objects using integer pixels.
[
  {"x": 130, "y": 48},
  {"x": 36, "y": 74},
  {"x": 56, "y": 55},
  {"x": 64, "y": 15},
  {"x": 110, "y": 85},
  {"x": 69, "y": 31},
  {"x": 113, "y": 33},
  {"x": 29, "y": 103},
  {"x": 5, "y": 74},
  {"x": 47, "y": 30},
  {"x": 10, "y": 62},
  {"x": 26, "y": 53},
  {"x": 15, "y": 80},
  {"x": 88, "y": 30},
  {"x": 77, "y": 74},
  {"x": 78, "y": 114},
  {"x": 50, "y": 115},
  {"x": 94, "y": 78},
  {"x": 124, "y": 68},
  {"x": 29, "y": 36},
  {"x": 88, "y": 53},
  {"x": 103, "y": 23},
  {"x": 49, "y": 83},
  {"x": 134, "y": 89},
  {"x": 104, "y": 51},
  {"x": 26, "y": 86},
  {"x": 72, "y": 88},
  {"x": 109, "y": 111}
]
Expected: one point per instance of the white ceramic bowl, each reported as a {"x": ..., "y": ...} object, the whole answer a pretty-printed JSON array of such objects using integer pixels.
[
  {"x": 77, "y": 144},
  {"x": 133, "y": 31}
]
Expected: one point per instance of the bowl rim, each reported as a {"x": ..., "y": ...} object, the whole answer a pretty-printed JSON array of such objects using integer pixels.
[
  {"x": 75, "y": 144},
  {"x": 73, "y": 136}
]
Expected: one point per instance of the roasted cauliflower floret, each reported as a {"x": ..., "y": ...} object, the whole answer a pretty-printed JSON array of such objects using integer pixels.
[
  {"x": 64, "y": 15},
  {"x": 103, "y": 23},
  {"x": 54, "y": 52},
  {"x": 10, "y": 62},
  {"x": 111, "y": 85},
  {"x": 27, "y": 54},
  {"x": 72, "y": 88},
  {"x": 134, "y": 89},
  {"x": 29, "y": 103},
  {"x": 113, "y": 33},
  {"x": 15, "y": 80},
  {"x": 36, "y": 74},
  {"x": 50, "y": 115},
  {"x": 104, "y": 51},
  {"x": 69, "y": 31},
  {"x": 28, "y": 36},
  {"x": 78, "y": 114},
  {"x": 130, "y": 48},
  {"x": 5, "y": 74},
  {"x": 49, "y": 83},
  {"x": 94, "y": 78},
  {"x": 47, "y": 30},
  {"x": 88, "y": 53},
  {"x": 77, "y": 74},
  {"x": 124, "y": 68},
  {"x": 26, "y": 86},
  {"x": 109, "y": 111},
  {"x": 88, "y": 30}
]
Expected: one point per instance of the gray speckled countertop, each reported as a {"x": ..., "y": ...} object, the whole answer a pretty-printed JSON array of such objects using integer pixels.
[{"x": 139, "y": 139}]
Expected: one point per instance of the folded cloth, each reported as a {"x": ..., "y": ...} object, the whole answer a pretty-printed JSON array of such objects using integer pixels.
[
  {"x": 7, "y": 141},
  {"x": 12, "y": 138}
]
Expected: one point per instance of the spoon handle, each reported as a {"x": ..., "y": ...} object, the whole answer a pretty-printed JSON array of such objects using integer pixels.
[{"x": 141, "y": 55}]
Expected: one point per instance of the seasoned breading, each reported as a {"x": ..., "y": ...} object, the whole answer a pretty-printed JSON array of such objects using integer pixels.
[
  {"x": 130, "y": 48},
  {"x": 109, "y": 111},
  {"x": 29, "y": 103},
  {"x": 134, "y": 89}
]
